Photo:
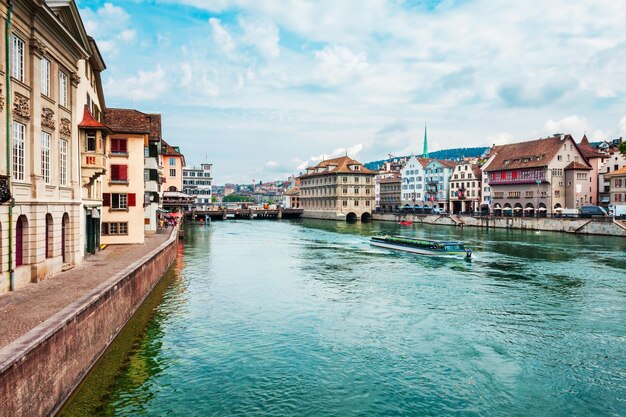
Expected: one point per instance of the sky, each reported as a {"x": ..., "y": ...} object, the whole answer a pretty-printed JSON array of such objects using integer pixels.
[{"x": 264, "y": 88}]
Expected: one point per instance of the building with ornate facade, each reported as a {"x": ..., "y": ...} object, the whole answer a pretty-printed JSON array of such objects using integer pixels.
[
  {"x": 413, "y": 180},
  {"x": 465, "y": 188},
  {"x": 390, "y": 192},
  {"x": 338, "y": 189},
  {"x": 40, "y": 172},
  {"x": 545, "y": 175},
  {"x": 437, "y": 183}
]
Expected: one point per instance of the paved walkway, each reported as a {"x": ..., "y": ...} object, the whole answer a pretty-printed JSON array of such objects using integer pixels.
[{"x": 22, "y": 310}]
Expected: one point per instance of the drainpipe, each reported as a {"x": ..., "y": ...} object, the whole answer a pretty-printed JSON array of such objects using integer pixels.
[{"x": 7, "y": 44}]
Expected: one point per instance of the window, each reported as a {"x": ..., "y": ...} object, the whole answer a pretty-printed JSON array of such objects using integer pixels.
[
  {"x": 345, "y": 179},
  {"x": 63, "y": 162},
  {"x": 172, "y": 172},
  {"x": 45, "y": 77},
  {"x": 119, "y": 201},
  {"x": 115, "y": 229},
  {"x": 45, "y": 157},
  {"x": 367, "y": 203},
  {"x": 345, "y": 191},
  {"x": 63, "y": 89},
  {"x": 356, "y": 203},
  {"x": 19, "y": 142},
  {"x": 172, "y": 162},
  {"x": 356, "y": 190},
  {"x": 119, "y": 145},
  {"x": 119, "y": 173},
  {"x": 17, "y": 64},
  {"x": 345, "y": 203},
  {"x": 90, "y": 146},
  {"x": 559, "y": 157}
]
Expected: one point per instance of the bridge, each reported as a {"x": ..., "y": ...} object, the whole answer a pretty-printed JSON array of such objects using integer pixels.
[{"x": 240, "y": 213}]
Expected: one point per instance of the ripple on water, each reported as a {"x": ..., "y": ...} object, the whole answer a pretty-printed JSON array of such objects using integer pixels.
[{"x": 305, "y": 318}]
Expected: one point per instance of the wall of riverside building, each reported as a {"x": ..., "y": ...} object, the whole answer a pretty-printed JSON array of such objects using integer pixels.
[
  {"x": 40, "y": 370},
  {"x": 604, "y": 227}
]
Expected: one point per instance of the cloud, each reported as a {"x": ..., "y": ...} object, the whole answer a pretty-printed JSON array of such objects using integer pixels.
[
  {"x": 221, "y": 36},
  {"x": 622, "y": 127},
  {"x": 573, "y": 125},
  {"x": 337, "y": 64},
  {"x": 536, "y": 92},
  {"x": 261, "y": 34},
  {"x": 271, "y": 164},
  {"x": 109, "y": 25},
  {"x": 144, "y": 86}
]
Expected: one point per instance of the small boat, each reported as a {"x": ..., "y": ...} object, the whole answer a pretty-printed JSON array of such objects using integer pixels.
[
  {"x": 422, "y": 246},
  {"x": 406, "y": 223}
]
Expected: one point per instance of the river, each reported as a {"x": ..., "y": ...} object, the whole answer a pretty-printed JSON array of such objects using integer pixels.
[{"x": 275, "y": 318}]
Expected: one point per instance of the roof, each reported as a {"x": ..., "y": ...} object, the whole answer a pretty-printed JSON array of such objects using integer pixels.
[
  {"x": 293, "y": 191},
  {"x": 341, "y": 165},
  {"x": 621, "y": 171},
  {"x": 168, "y": 150},
  {"x": 390, "y": 180},
  {"x": 446, "y": 163},
  {"x": 576, "y": 165},
  {"x": 89, "y": 121},
  {"x": 127, "y": 121},
  {"x": 155, "y": 126},
  {"x": 530, "y": 154},
  {"x": 587, "y": 150}
]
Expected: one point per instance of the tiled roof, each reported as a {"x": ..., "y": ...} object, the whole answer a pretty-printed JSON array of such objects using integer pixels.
[
  {"x": 587, "y": 150},
  {"x": 293, "y": 191},
  {"x": 621, "y": 171},
  {"x": 155, "y": 126},
  {"x": 89, "y": 121},
  {"x": 531, "y": 154},
  {"x": 168, "y": 150},
  {"x": 341, "y": 166},
  {"x": 446, "y": 163},
  {"x": 127, "y": 121},
  {"x": 577, "y": 165},
  {"x": 389, "y": 180}
]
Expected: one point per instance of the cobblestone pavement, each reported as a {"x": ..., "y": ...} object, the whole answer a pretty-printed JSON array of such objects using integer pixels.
[{"x": 25, "y": 308}]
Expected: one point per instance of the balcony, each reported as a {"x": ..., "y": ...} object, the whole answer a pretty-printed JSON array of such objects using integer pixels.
[{"x": 92, "y": 165}]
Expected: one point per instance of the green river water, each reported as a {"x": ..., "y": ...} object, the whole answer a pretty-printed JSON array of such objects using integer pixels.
[{"x": 282, "y": 318}]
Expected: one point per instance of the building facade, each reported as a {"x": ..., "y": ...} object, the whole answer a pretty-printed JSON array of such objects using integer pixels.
[
  {"x": 437, "y": 183},
  {"x": 338, "y": 189},
  {"x": 618, "y": 187},
  {"x": 413, "y": 180},
  {"x": 197, "y": 183},
  {"x": 465, "y": 188},
  {"x": 153, "y": 173},
  {"x": 614, "y": 160},
  {"x": 390, "y": 192},
  {"x": 40, "y": 173},
  {"x": 124, "y": 187},
  {"x": 544, "y": 175}
]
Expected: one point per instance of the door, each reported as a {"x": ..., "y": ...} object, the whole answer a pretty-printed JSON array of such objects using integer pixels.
[
  {"x": 89, "y": 238},
  {"x": 63, "y": 232},
  {"x": 19, "y": 243}
]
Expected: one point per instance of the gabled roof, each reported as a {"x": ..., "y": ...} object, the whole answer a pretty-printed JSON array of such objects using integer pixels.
[
  {"x": 576, "y": 165},
  {"x": 67, "y": 14},
  {"x": 155, "y": 126},
  {"x": 444, "y": 162},
  {"x": 89, "y": 122},
  {"x": 168, "y": 150},
  {"x": 341, "y": 165},
  {"x": 530, "y": 154},
  {"x": 621, "y": 171},
  {"x": 422, "y": 161},
  {"x": 127, "y": 121},
  {"x": 587, "y": 150}
]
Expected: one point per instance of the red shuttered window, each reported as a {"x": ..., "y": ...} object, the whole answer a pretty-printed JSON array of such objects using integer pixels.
[
  {"x": 119, "y": 172},
  {"x": 119, "y": 145},
  {"x": 132, "y": 200},
  {"x": 106, "y": 199}
]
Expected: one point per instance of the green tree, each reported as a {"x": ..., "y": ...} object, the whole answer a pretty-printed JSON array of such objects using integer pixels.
[
  {"x": 236, "y": 198},
  {"x": 622, "y": 147}
]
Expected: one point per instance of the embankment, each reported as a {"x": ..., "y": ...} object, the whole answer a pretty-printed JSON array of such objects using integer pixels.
[
  {"x": 602, "y": 227},
  {"x": 40, "y": 370}
]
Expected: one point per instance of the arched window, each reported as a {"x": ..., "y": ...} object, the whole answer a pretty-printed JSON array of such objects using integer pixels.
[
  {"x": 49, "y": 232},
  {"x": 21, "y": 240},
  {"x": 172, "y": 188}
]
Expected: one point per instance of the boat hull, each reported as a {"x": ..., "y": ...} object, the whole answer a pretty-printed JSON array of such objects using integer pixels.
[{"x": 418, "y": 251}]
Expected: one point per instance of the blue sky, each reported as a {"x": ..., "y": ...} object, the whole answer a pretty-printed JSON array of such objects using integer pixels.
[{"x": 262, "y": 88}]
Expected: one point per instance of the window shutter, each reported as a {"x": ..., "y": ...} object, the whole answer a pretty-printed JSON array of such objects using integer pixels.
[
  {"x": 106, "y": 199},
  {"x": 123, "y": 172},
  {"x": 114, "y": 145},
  {"x": 122, "y": 145},
  {"x": 115, "y": 172},
  {"x": 154, "y": 175},
  {"x": 132, "y": 200}
]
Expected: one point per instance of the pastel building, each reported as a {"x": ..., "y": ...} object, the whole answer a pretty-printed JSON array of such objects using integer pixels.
[
  {"x": 124, "y": 186},
  {"x": 413, "y": 180},
  {"x": 437, "y": 183},
  {"x": 197, "y": 183},
  {"x": 465, "y": 188}
]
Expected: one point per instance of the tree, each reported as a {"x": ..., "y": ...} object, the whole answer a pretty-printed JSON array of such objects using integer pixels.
[
  {"x": 235, "y": 198},
  {"x": 622, "y": 147}
]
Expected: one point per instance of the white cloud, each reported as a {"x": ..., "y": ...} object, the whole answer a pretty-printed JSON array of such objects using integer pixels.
[
  {"x": 574, "y": 125},
  {"x": 262, "y": 34},
  {"x": 338, "y": 63},
  {"x": 501, "y": 138},
  {"x": 109, "y": 25},
  {"x": 271, "y": 164},
  {"x": 145, "y": 85},
  {"x": 221, "y": 35}
]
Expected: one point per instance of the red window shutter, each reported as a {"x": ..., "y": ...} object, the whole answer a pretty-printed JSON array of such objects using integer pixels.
[
  {"x": 114, "y": 145},
  {"x": 106, "y": 199},
  {"x": 503, "y": 175},
  {"x": 123, "y": 172},
  {"x": 122, "y": 145},
  {"x": 115, "y": 172},
  {"x": 514, "y": 174},
  {"x": 132, "y": 200}
]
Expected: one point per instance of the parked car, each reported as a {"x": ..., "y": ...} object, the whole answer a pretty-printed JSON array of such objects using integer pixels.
[
  {"x": 436, "y": 210},
  {"x": 589, "y": 211}
]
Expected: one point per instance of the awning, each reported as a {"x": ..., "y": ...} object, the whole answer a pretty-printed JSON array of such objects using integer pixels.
[
  {"x": 558, "y": 209},
  {"x": 605, "y": 199},
  {"x": 517, "y": 208},
  {"x": 543, "y": 209},
  {"x": 508, "y": 209},
  {"x": 528, "y": 209},
  {"x": 173, "y": 215}
]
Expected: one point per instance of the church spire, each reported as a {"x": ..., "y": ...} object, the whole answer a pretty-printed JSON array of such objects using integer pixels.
[{"x": 425, "y": 152}]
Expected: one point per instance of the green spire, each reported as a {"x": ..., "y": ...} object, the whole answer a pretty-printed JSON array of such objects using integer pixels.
[{"x": 425, "y": 153}]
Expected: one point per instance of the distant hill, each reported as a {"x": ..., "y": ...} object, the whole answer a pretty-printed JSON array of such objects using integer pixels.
[{"x": 454, "y": 154}]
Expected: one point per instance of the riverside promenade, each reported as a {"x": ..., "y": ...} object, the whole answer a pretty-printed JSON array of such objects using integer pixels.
[{"x": 27, "y": 307}]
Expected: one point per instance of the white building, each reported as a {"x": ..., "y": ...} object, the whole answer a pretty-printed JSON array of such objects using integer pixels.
[
  {"x": 437, "y": 183},
  {"x": 197, "y": 183},
  {"x": 413, "y": 181}
]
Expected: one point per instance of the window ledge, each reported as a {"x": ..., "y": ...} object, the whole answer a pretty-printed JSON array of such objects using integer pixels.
[
  {"x": 116, "y": 182},
  {"x": 118, "y": 210},
  {"x": 118, "y": 154}
]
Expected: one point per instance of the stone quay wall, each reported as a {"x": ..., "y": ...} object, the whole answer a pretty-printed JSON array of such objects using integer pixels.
[
  {"x": 40, "y": 370},
  {"x": 602, "y": 227}
]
